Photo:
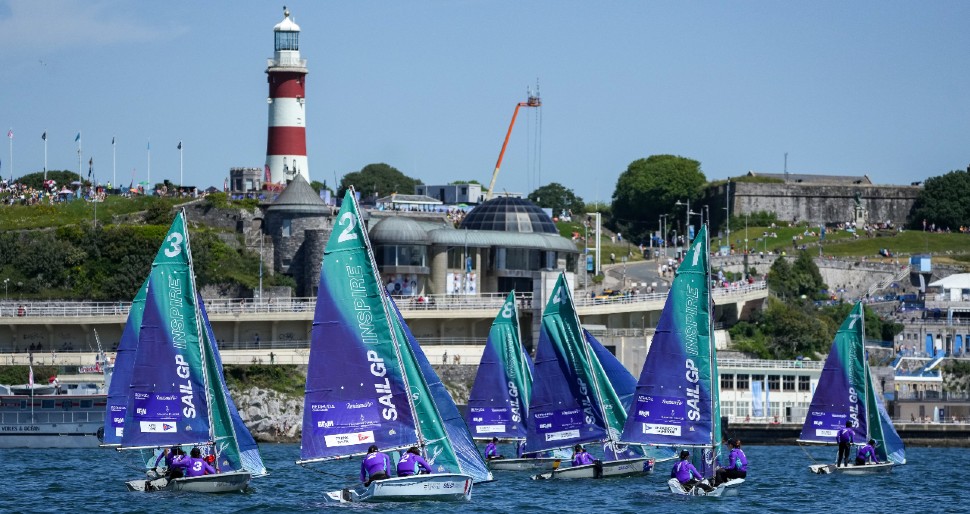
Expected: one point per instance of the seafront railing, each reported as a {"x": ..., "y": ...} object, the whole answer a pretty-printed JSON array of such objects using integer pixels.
[
  {"x": 768, "y": 364},
  {"x": 239, "y": 306}
]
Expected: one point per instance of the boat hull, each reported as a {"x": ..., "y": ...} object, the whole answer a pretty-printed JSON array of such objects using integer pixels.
[
  {"x": 607, "y": 469},
  {"x": 438, "y": 487},
  {"x": 230, "y": 482},
  {"x": 52, "y": 423},
  {"x": 729, "y": 488},
  {"x": 852, "y": 469},
  {"x": 540, "y": 464}
]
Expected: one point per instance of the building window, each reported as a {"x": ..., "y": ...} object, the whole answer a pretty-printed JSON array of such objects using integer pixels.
[
  {"x": 727, "y": 381},
  {"x": 743, "y": 383},
  {"x": 788, "y": 383},
  {"x": 287, "y": 40},
  {"x": 774, "y": 382},
  {"x": 286, "y": 228},
  {"x": 804, "y": 383}
]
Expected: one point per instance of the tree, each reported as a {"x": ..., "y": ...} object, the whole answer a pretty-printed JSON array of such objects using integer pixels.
[
  {"x": 943, "y": 201},
  {"x": 320, "y": 186},
  {"x": 649, "y": 188},
  {"x": 381, "y": 179},
  {"x": 459, "y": 182},
  {"x": 793, "y": 280},
  {"x": 557, "y": 197}
]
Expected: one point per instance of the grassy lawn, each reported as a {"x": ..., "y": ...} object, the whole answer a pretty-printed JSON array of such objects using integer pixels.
[{"x": 25, "y": 217}]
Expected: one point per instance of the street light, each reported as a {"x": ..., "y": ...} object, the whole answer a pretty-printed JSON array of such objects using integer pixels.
[
  {"x": 6, "y": 297},
  {"x": 663, "y": 233},
  {"x": 686, "y": 220}
]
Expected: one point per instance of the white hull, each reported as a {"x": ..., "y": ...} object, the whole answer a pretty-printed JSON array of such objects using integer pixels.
[
  {"x": 437, "y": 487},
  {"x": 51, "y": 423},
  {"x": 729, "y": 488},
  {"x": 852, "y": 469},
  {"x": 523, "y": 464},
  {"x": 607, "y": 469},
  {"x": 230, "y": 482},
  {"x": 51, "y": 437}
]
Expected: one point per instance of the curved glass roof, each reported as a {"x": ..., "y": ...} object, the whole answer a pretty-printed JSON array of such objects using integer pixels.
[{"x": 507, "y": 214}]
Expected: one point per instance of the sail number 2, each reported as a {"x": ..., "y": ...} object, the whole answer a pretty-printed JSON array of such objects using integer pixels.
[
  {"x": 348, "y": 233},
  {"x": 174, "y": 247}
]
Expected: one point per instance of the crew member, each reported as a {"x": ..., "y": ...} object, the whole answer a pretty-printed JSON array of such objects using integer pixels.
[
  {"x": 868, "y": 451},
  {"x": 412, "y": 463},
  {"x": 737, "y": 465},
  {"x": 581, "y": 456},
  {"x": 491, "y": 450},
  {"x": 844, "y": 437},
  {"x": 194, "y": 465},
  {"x": 687, "y": 474},
  {"x": 375, "y": 466}
]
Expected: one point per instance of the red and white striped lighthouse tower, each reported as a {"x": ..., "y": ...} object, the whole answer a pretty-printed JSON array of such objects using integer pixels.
[{"x": 286, "y": 74}]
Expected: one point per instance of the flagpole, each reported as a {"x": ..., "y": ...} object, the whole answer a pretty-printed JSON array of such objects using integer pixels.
[
  {"x": 114, "y": 163},
  {"x": 10, "y": 137},
  {"x": 149, "y": 162},
  {"x": 45, "y": 157},
  {"x": 180, "y": 165},
  {"x": 79, "y": 177}
]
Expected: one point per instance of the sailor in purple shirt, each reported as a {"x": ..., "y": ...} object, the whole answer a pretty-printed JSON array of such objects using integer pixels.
[
  {"x": 581, "y": 456},
  {"x": 491, "y": 450},
  {"x": 411, "y": 463},
  {"x": 868, "y": 451},
  {"x": 375, "y": 466},
  {"x": 737, "y": 464},
  {"x": 687, "y": 474},
  {"x": 195, "y": 465},
  {"x": 844, "y": 437}
]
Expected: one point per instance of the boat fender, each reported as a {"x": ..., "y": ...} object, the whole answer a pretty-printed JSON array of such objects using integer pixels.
[
  {"x": 597, "y": 469},
  {"x": 345, "y": 494}
]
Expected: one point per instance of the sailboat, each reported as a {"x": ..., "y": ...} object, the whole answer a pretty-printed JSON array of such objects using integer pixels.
[
  {"x": 677, "y": 395},
  {"x": 177, "y": 395},
  {"x": 573, "y": 401},
  {"x": 498, "y": 405},
  {"x": 368, "y": 383},
  {"x": 120, "y": 373},
  {"x": 844, "y": 393}
]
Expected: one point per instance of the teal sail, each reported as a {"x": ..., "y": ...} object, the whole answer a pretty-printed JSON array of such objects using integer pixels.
[
  {"x": 124, "y": 366},
  {"x": 177, "y": 393},
  {"x": 234, "y": 444},
  {"x": 167, "y": 400},
  {"x": 676, "y": 401},
  {"x": 498, "y": 405},
  {"x": 572, "y": 398},
  {"x": 845, "y": 393},
  {"x": 366, "y": 383},
  {"x": 448, "y": 443}
]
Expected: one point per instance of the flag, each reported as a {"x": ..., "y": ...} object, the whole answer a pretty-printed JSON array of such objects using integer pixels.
[
  {"x": 44, "y": 136},
  {"x": 266, "y": 175},
  {"x": 149, "y": 145},
  {"x": 90, "y": 166},
  {"x": 10, "y": 133},
  {"x": 77, "y": 137},
  {"x": 180, "y": 145},
  {"x": 225, "y": 185},
  {"x": 112, "y": 140},
  {"x": 30, "y": 378}
]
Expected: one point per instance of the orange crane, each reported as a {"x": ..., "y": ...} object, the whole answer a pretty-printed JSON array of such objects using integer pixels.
[{"x": 532, "y": 101}]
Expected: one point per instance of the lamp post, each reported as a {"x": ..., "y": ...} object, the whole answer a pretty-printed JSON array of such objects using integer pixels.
[
  {"x": 663, "y": 233},
  {"x": 6, "y": 297},
  {"x": 686, "y": 220},
  {"x": 727, "y": 212}
]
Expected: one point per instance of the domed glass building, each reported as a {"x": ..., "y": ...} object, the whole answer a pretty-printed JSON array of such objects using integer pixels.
[{"x": 508, "y": 214}]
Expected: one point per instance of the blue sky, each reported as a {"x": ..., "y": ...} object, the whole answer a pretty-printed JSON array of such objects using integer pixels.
[{"x": 881, "y": 87}]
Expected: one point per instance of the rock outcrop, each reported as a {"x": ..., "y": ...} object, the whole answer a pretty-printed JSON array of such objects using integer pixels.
[{"x": 271, "y": 416}]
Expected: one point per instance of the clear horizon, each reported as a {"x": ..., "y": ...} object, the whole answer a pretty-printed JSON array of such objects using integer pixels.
[{"x": 429, "y": 87}]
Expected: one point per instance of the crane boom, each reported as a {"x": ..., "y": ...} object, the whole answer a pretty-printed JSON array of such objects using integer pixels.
[{"x": 532, "y": 101}]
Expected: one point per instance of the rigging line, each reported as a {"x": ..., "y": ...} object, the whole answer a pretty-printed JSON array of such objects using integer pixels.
[
  {"x": 322, "y": 472},
  {"x": 800, "y": 445}
]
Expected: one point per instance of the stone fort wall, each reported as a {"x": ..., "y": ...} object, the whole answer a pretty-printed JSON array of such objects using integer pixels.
[{"x": 822, "y": 203}]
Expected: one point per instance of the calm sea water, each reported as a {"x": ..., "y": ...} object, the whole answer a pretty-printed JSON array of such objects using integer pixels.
[{"x": 779, "y": 481}]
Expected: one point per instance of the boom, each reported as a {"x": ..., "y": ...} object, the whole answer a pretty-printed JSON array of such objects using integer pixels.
[{"x": 532, "y": 101}]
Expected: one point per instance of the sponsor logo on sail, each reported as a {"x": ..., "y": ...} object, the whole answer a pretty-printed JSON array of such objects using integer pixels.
[{"x": 349, "y": 439}]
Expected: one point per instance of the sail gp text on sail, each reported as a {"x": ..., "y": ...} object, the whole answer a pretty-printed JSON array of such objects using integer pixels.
[
  {"x": 368, "y": 335},
  {"x": 691, "y": 348},
  {"x": 177, "y": 329}
]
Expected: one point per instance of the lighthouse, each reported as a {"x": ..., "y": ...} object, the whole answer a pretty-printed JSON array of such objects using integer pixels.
[{"x": 286, "y": 74}]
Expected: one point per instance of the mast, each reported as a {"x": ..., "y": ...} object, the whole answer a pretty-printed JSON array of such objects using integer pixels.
[
  {"x": 715, "y": 380},
  {"x": 867, "y": 377},
  {"x": 199, "y": 331},
  {"x": 596, "y": 386},
  {"x": 387, "y": 315}
]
